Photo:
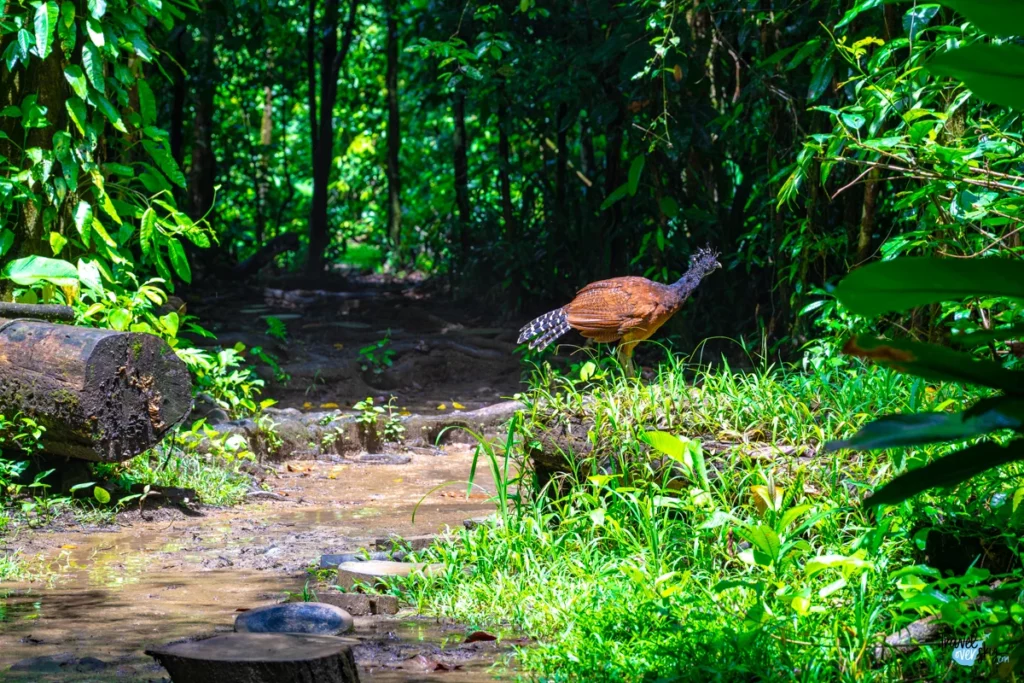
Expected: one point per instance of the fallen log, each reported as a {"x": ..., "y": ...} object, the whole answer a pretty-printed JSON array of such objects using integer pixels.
[{"x": 102, "y": 395}]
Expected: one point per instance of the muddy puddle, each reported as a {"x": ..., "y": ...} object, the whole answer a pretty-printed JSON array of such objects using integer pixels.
[{"x": 168, "y": 576}]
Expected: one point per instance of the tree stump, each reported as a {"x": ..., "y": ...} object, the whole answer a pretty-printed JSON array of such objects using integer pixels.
[
  {"x": 260, "y": 658},
  {"x": 102, "y": 395}
]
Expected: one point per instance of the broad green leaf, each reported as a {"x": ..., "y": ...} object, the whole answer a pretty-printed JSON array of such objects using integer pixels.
[
  {"x": 76, "y": 109},
  {"x": 905, "y": 283},
  {"x": 93, "y": 64},
  {"x": 45, "y": 23},
  {"x": 165, "y": 162},
  {"x": 994, "y": 73},
  {"x": 635, "y": 169},
  {"x": 95, "y": 31},
  {"x": 25, "y": 42},
  {"x": 97, "y": 8},
  {"x": 985, "y": 336},
  {"x": 67, "y": 13},
  {"x": 947, "y": 471},
  {"x": 34, "y": 269},
  {"x": 994, "y": 17},
  {"x": 6, "y": 240},
  {"x": 83, "y": 221},
  {"x": 146, "y": 232},
  {"x": 917, "y": 18},
  {"x": 915, "y": 429},
  {"x": 101, "y": 495},
  {"x": 666, "y": 444},
  {"x": 147, "y": 103},
  {"x": 120, "y": 319},
  {"x": 57, "y": 242},
  {"x": 935, "y": 363},
  {"x": 856, "y": 10},
  {"x": 89, "y": 275},
  {"x": 178, "y": 259},
  {"x": 170, "y": 323},
  {"x": 98, "y": 228},
  {"x": 669, "y": 206},
  {"x": 76, "y": 77},
  {"x": 764, "y": 539},
  {"x": 109, "y": 111},
  {"x": 617, "y": 194},
  {"x": 820, "y": 81}
]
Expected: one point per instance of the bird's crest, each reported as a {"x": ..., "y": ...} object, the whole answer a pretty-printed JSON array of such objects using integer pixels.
[{"x": 705, "y": 259}]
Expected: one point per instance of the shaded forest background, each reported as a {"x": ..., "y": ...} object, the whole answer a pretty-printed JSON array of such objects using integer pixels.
[{"x": 520, "y": 148}]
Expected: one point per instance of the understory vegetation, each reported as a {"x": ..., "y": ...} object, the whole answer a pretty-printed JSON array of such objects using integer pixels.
[{"x": 706, "y": 536}]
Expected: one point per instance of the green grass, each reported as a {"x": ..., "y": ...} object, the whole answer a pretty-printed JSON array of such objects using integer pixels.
[
  {"x": 217, "y": 481},
  {"x": 765, "y": 568},
  {"x": 363, "y": 256}
]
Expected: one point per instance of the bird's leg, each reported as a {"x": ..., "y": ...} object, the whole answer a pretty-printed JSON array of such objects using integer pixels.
[{"x": 626, "y": 357}]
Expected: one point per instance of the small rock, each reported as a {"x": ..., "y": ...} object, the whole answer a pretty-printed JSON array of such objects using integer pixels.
[
  {"x": 312, "y": 618},
  {"x": 384, "y": 459},
  {"x": 358, "y": 604},
  {"x": 413, "y": 543}
]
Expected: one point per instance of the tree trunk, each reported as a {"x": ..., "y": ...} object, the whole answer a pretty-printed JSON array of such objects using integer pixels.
[
  {"x": 331, "y": 59},
  {"x": 101, "y": 395},
  {"x": 45, "y": 78},
  {"x": 203, "y": 171},
  {"x": 263, "y": 174},
  {"x": 394, "y": 132},
  {"x": 260, "y": 658},
  {"x": 867, "y": 217},
  {"x": 461, "y": 163},
  {"x": 561, "y": 161},
  {"x": 178, "y": 94},
  {"x": 504, "y": 164}
]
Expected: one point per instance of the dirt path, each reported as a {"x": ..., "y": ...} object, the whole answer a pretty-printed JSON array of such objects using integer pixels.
[
  {"x": 166, "y": 579},
  {"x": 163, "y": 576}
]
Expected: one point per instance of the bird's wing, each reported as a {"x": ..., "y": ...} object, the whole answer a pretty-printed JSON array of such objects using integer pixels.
[{"x": 607, "y": 309}]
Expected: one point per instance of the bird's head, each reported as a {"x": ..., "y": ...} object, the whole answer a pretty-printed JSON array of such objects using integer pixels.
[{"x": 704, "y": 261}]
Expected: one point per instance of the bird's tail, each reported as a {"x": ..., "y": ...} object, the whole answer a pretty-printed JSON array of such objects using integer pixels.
[{"x": 545, "y": 329}]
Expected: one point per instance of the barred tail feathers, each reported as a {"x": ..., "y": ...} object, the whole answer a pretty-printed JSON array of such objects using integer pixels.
[{"x": 545, "y": 329}]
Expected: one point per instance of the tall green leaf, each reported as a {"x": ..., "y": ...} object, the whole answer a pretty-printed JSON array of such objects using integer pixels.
[
  {"x": 147, "y": 103},
  {"x": 76, "y": 109},
  {"x": 635, "y": 169},
  {"x": 947, "y": 471},
  {"x": 916, "y": 429},
  {"x": 108, "y": 110},
  {"x": 34, "y": 269},
  {"x": 178, "y": 259},
  {"x": 148, "y": 226},
  {"x": 45, "y": 23},
  {"x": 76, "y": 77},
  {"x": 93, "y": 64},
  {"x": 902, "y": 284},
  {"x": 165, "y": 161},
  {"x": 994, "y": 17},
  {"x": 83, "y": 221},
  {"x": 993, "y": 72},
  {"x": 935, "y": 363}
]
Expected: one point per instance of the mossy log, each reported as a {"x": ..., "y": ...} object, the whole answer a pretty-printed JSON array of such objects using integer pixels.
[{"x": 101, "y": 395}]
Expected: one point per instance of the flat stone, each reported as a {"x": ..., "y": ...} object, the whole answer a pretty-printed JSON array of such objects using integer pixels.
[
  {"x": 332, "y": 561},
  {"x": 312, "y": 618},
  {"x": 358, "y": 604},
  {"x": 371, "y": 573}
]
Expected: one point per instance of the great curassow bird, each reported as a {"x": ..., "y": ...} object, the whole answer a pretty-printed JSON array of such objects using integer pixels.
[{"x": 627, "y": 310}]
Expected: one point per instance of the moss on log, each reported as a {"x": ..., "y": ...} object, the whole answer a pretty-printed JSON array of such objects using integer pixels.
[{"x": 101, "y": 395}]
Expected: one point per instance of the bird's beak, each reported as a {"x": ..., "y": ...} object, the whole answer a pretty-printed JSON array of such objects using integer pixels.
[{"x": 717, "y": 264}]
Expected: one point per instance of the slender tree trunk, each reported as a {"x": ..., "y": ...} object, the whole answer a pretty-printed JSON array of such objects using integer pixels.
[
  {"x": 561, "y": 161},
  {"x": 44, "y": 78},
  {"x": 504, "y": 164},
  {"x": 203, "y": 173},
  {"x": 178, "y": 96},
  {"x": 394, "y": 132},
  {"x": 461, "y": 164},
  {"x": 867, "y": 217},
  {"x": 263, "y": 179},
  {"x": 311, "y": 75},
  {"x": 331, "y": 59}
]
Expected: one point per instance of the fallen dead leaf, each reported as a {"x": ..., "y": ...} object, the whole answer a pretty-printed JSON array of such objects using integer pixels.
[
  {"x": 458, "y": 406},
  {"x": 480, "y": 637},
  {"x": 442, "y": 407},
  {"x": 339, "y": 346},
  {"x": 307, "y": 405},
  {"x": 329, "y": 406}
]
